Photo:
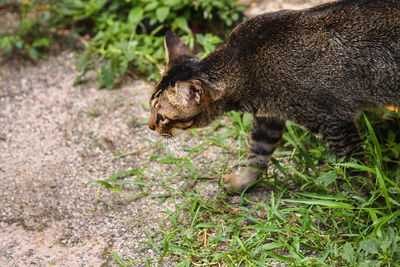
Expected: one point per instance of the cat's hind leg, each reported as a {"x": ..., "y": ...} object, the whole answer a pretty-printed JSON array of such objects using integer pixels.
[
  {"x": 342, "y": 138},
  {"x": 266, "y": 133}
]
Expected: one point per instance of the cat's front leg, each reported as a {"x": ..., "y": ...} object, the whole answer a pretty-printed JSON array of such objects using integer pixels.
[{"x": 266, "y": 133}]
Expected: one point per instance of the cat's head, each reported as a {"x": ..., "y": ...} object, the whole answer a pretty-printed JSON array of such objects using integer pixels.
[{"x": 182, "y": 95}]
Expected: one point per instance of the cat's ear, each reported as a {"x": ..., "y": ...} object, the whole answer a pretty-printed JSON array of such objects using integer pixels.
[
  {"x": 177, "y": 51},
  {"x": 189, "y": 93}
]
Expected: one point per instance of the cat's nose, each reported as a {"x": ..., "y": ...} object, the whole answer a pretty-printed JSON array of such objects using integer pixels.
[
  {"x": 152, "y": 122},
  {"x": 151, "y": 125}
]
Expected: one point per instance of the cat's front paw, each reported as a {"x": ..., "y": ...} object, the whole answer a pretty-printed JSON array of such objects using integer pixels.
[
  {"x": 236, "y": 183},
  {"x": 233, "y": 183}
]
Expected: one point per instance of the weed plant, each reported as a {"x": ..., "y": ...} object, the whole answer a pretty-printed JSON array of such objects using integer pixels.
[
  {"x": 130, "y": 33},
  {"x": 120, "y": 36},
  {"x": 35, "y": 31}
]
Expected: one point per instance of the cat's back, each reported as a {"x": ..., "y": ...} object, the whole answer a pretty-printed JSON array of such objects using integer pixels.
[
  {"x": 347, "y": 50},
  {"x": 364, "y": 18},
  {"x": 355, "y": 19}
]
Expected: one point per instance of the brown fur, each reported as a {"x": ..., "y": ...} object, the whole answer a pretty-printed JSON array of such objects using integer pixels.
[{"x": 317, "y": 67}]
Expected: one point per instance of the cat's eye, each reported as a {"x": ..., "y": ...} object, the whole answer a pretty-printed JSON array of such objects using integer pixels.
[{"x": 160, "y": 118}]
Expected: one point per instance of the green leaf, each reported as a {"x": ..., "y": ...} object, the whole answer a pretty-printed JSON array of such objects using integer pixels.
[
  {"x": 369, "y": 263},
  {"x": 107, "y": 75},
  {"x": 117, "y": 175},
  {"x": 117, "y": 258},
  {"x": 42, "y": 42},
  {"x": 162, "y": 13},
  {"x": 271, "y": 245},
  {"x": 108, "y": 185},
  {"x": 151, "y": 6},
  {"x": 247, "y": 120},
  {"x": 319, "y": 196},
  {"x": 377, "y": 148},
  {"x": 7, "y": 46},
  {"x": 206, "y": 225},
  {"x": 383, "y": 220},
  {"x": 262, "y": 249},
  {"x": 320, "y": 202},
  {"x": 82, "y": 61},
  {"x": 80, "y": 76},
  {"x": 348, "y": 253},
  {"x": 135, "y": 15},
  {"x": 19, "y": 44},
  {"x": 369, "y": 246},
  {"x": 382, "y": 185},
  {"x": 181, "y": 23},
  {"x": 266, "y": 228},
  {"x": 172, "y": 2},
  {"x": 279, "y": 257},
  {"x": 326, "y": 179},
  {"x": 33, "y": 53},
  {"x": 240, "y": 242},
  {"x": 172, "y": 217},
  {"x": 357, "y": 167},
  {"x": 235, "y": 16},
  {"x": 123, "y": 66},
  {"x": 191, "y": 167},
  {"x": 178, "y": 248}
]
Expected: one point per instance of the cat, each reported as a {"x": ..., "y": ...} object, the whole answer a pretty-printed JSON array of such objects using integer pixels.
[{"x": 318, "y": 67}]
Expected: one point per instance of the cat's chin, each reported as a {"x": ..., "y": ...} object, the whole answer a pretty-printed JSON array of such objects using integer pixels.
[
  {"x": 167, "y": 135},
  {"x": 176, "y": 132}
]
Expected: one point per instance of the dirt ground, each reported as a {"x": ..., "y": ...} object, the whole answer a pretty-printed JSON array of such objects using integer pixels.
[{"x": 50, "y": 146}]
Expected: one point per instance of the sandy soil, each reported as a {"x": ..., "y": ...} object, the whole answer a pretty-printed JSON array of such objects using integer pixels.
[{"x": 50, "y": 147}]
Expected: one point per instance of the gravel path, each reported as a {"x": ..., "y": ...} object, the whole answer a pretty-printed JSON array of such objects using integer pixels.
[{"x": 50, "y": 146}]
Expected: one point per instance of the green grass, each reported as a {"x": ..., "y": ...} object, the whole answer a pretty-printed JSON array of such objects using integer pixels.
[
  {"x": 94, "y": 112},
  {"x": 312, "y": 209}
]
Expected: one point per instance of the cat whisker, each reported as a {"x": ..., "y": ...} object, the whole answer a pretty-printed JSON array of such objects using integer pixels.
[{"x": 174, "y": 147}]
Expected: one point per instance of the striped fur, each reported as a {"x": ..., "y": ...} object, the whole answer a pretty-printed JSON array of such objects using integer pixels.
[
  {"x": 265, "y": 135},
  {"x": 316, "y": 67},
  {"x": 342, "y": 138}
]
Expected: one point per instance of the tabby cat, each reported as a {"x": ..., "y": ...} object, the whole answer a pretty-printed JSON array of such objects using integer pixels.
[{"x": 317, "y": 67}]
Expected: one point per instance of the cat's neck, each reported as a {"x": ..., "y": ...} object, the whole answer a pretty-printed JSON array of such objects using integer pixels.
[
  {"x": 227, "y": 81},
  {"x": 219, "y": 69}
]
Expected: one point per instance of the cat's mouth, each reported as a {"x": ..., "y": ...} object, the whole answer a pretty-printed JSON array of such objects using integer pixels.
[
  {"x": 187, "y": 125},
  {"x": 184, "y": 125},
  {"x": 166, "y": 135}
]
